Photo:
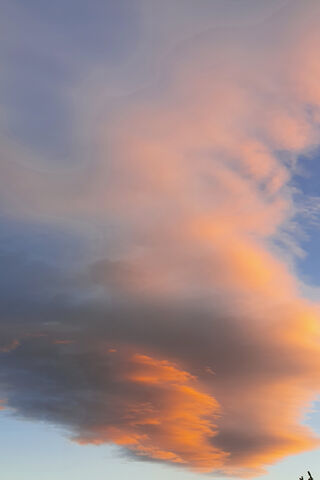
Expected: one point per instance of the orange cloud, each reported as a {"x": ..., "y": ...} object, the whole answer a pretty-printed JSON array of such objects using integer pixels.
[
  {"x": 168, "y": 415},
  {"x": 10, "y": 346},
  {"x": 169, "y": 419},
  {"x": 204, "y": 194},
  {"x": 63, "y": 342},
  {"x": 194, "y": 185}
]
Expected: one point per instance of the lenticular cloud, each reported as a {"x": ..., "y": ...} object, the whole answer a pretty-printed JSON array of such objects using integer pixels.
[{"x": 185, "y": 340}]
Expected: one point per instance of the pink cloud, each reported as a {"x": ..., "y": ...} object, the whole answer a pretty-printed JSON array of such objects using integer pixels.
[{"x": 189, "y": 179}]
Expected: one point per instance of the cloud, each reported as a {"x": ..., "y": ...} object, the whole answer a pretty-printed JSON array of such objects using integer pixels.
[
  {"x": 101, "y": 389},
  {"x": 167, "y": 418},
  {"x": 10, "y": 346},
  {"x": 181, "y": 335}
]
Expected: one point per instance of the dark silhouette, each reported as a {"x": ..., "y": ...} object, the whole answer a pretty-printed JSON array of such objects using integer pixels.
[{"x": 310, "y": 476}]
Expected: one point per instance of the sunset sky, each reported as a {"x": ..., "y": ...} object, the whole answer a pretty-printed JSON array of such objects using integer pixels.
[{"x": 159, "y": 239}]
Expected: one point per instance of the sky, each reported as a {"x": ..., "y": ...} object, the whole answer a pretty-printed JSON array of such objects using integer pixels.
[{"x": 159, "y": 239}]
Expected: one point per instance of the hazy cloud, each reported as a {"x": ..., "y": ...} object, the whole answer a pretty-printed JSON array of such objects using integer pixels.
[{"x": 180, "y": 334}]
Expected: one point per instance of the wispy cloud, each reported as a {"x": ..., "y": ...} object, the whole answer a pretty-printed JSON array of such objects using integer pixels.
[{"x": 181, "y": 335}]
